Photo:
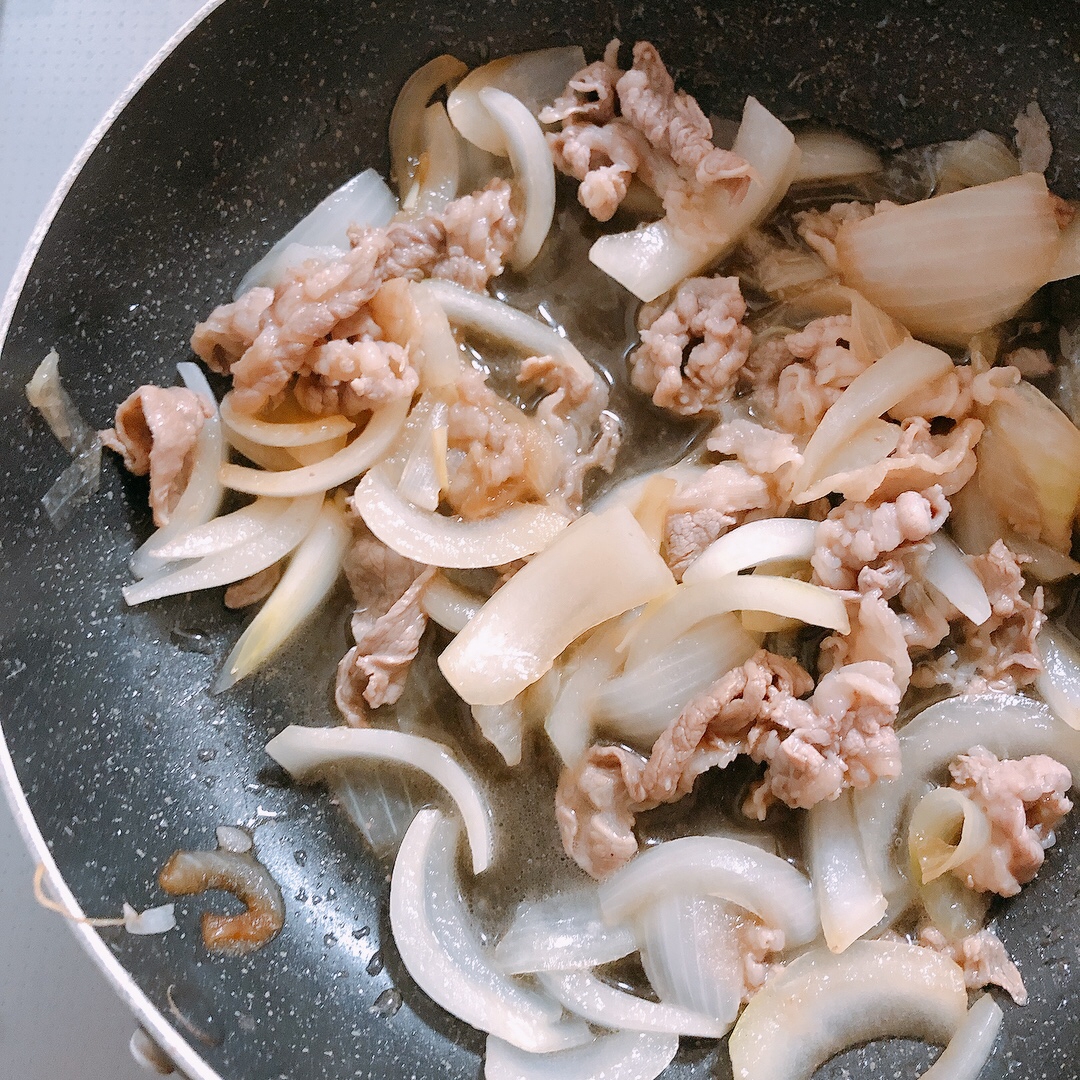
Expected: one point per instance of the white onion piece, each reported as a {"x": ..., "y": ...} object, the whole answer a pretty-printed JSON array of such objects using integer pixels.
[
  {"x": 872, "y": 443},
  {"x": 886, "y": 382},
  {"x": 971, "y": 1045},
  {"x": 316, "y": 452},
  {"x": 689, "y": 605},
  {"x": 753, "y": 544},
  {"x": 308, "y": 580},
  {"x": 423, "y": 473},
  {"x": 439, "y": 174},
  {"x": 957, "y": 264},
  {"x": 654, "y": 258},
  {"x": 380, "y": 802},
  {"x": 597, "y": 568},
  {"x": 233, "y": 838},
  {"x": 821, "y": 1004},
  {"x": 407, "y": 119},
  {"x": 624, "y": 1055},
  {"x": 1059, "y": 681},
  {"x": 436, "y": 540},
  {"x": 630, "y": 492},
  {"x": 503, "y": 726},
  {"x": 202, "y": 494},
  {"x": 849, "y": 897},
  {"x": 534, "y": 78},
  {"x": 432, "y": 346},
  {"x": 225, "y": 532},
  {"x": 275, "y": 458},
  {"x": 303, "y": 750},
  {"x": 593, "y": 1000},
  {"x": 368, "y": 448},
  {"x": 564, "y": 932},
  {"x": 272, "y": 544},
  {"x": 155, "y": 920},
  {"x": 269, "y": 433},
  {"x": 953, "y": 908},
  {"x": 832, "y": 155},
  {"x": 641, "y": 702},
  {"x": 363, "y": 200},
  {"x": 951, "y": 574},
  {"x": 441, "y": 948},
  {"x": 534, "y": 171},
  {"x": 716, "y": 866},
  {"x": 936, "y": 819},
  {"x": 449, "y": 604},
  {"x": 1008, "y": 726}
]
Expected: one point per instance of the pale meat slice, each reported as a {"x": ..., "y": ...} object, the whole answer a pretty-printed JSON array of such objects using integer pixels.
[
  {"x": 242, "y": 594},
  {"x": 877, "y": 633},
  {"x": 1024, "y": 801},
  {"x": 818, "y": 228},
  {"x": 959, "y": 393},
  {"x": 1033, "y": 139},
  {"x": 982, "y": 956},
  {"x": 155, "y": 432},
  {"x": 590, "y": 94}
]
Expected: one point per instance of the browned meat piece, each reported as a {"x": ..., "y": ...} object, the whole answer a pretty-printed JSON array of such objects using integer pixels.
[
  {"x": 984, "y": 960},
  {"x": 242, "y": 594},
  {"x": 156, "y": 430},
  {"x": 1024, "y": 802}
]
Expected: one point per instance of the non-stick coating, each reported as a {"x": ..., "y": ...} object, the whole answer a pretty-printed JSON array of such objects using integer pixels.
[{"x": 263, "y": 109}]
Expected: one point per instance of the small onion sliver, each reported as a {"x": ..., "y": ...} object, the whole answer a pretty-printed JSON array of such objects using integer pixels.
[
  {"x": 155, "y": 920},
  {"x": 269, "y": 433},
  {"x": 833, "y": 155},
  {"x": 822, "y": 1003},
  {"x": 275, "y": 458},
  {"x": 970, "y": 1047},
  {"x": 624, "y": 1055},
  {"x": 753, "y": 544},
  {"x": 951, "y": 574},
  {"x": 303, "y": 750},
  {"x": 437, "y": 540},
  {"x": 1059, "y": 681},
  {"x": 716, "y": 866},
  {"x": 449, "y": 604}
]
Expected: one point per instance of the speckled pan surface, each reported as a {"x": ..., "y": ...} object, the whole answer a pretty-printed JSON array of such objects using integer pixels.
[{"x": 123, "y": 757}]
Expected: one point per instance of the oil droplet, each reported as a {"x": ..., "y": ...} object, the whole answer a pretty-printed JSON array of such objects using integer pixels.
[
  {"x": 387, "y": 1003},
  {"x": 375, "y": 964}
]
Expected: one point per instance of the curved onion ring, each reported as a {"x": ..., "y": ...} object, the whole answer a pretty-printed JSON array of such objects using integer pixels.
[
  {"x": 753, "y": 544},
  {"x": 268, "y": 433},
  {"x": 625, "y": 1055},
  {"x": 934, "y": 820},
  {"x": 303, "y": 750},
  {"x": 969, "y": 1048},
  {"x": 449, "y": 604}
]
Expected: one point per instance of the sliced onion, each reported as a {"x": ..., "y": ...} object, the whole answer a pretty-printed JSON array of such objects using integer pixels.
[
  {"x": 380, "y": 802},
  {"x": 312, "y": 573},
  {"x": 873, "y": 333},
  {"x": 753, "y": 544},
  {"x": 275, "y": 458},
  {"x": 302, "y": 751},
  {"x": 564, "y": 932},
  {"x": 441, "y": 947},
  {"x": 503, "y": 726},
  {"x": 437, "y": 180},
  {"x": 450, "y": 605},
  {"x": 534, "y": 78},
  {"x": 225, "y": 532},
  {"x": 689, "y": 605},
  {"x": 423, "y": 473},
  {"x": 868, "y": 446},
  {"x": 451, "y": 542},
  {"x": 155, "y": 920},
  {"x": 899, "y": 373},
  {"x": 368, "y": 448},
  {"x": 363, "y": 200},
  {"x": 716, "y": 866},
  {"x": 821, "y": 1004},
  {"x": 233, "y": 564},
  {"x": 833, "y": 155},
  {"x": 946, "y": 829},
  {"x": 1059, "y": 681},
  {"x": 624, "y": 1055},
  {"x": 316, "y": 452},
  {"x": 953, "y": 908},
  {"x": 980, "y": 159},
  {"x": 599, "y": 567},
  {"x": 971, "y": 1045},
  {"x": 432, "y": 345},
  {"x": 653, "y": 259},
  {"x": 954, "y": 265},
  {"x": 949, "y": 572},
  {"x": 849, "y": 897},
  {"x": 269, "y": 433},
  {"x": 233, "y": 838},
  {"x": 651, "y": 509},
  {"x": 534, "y": 171},
  {"x": 595, "y": 1001}
]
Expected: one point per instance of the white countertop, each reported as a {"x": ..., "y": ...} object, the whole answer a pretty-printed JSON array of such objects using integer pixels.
[{"x": 62, "y": 64}]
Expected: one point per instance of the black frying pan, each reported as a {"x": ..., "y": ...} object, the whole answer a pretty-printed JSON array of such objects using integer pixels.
[{"x": 120, "y": 754}]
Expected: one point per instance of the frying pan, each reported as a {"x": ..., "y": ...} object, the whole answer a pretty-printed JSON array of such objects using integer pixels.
[{"x": 115, "y": 754}]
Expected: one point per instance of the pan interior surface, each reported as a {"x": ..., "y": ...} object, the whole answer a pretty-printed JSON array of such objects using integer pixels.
[{"x": 122, "y": 754}]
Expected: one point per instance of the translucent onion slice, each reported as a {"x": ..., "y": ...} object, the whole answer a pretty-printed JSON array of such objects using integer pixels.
[
  {"x": 873, "y": 333},
  {"x": 716, "y": 866},
  {"x": 670, "y": 618},
  {"x": 225, "y": 532},
  {"x": 274, "y": 458},
  {"x": 866, "y": 447},
  {"x": 534, "y": 78},
  {"x": 201, "y": 497},
  {"x": 953, "y": 908},
  {"x": 422, "y": 475},
  {"x": 897, "y": 374},
  {"x": 368, "y": 448},
  {"x": 1059, "y": 682},
  {"x": 380, "y": 802},
  {"x": 954, "y": 265},
  {"x": 971, "y": 1045},
  {"x": 583, "y": 994},
  {"x": 821, "y": 1003},
  {"x": 832, "y": 155},
  {"x": 980, "y": 159},
  {"x": 363, "y": 200},
  {"x": 597, "y": 568},
  {"x": 451, "y": 542},
  {"x": 534, "y": 171},
  {"x": 233, "y": 564},
  {"x": 449, "y": 604},
  {"x": 441, "y": 947},
  {"x": 438, "y": 177},
  {"x": 564, "y": 932},
  {"x": 407, "y": 119},
  {"x": 949, "y": 572},
  {"x": 946, "y": 829},
  {"x": 654, "y": 258},
  {"x": 269, "y": 433},
  {"x": 303, "y": 750},
  {"x": 317, "y": 452},
  {"x": 849, "y": 897},
  {"x": 624, "y": 1055},
  {"x": 753, "y": 544},
  {"x": 312, "y": 573},
  {"x": 504, "y": 727}
]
